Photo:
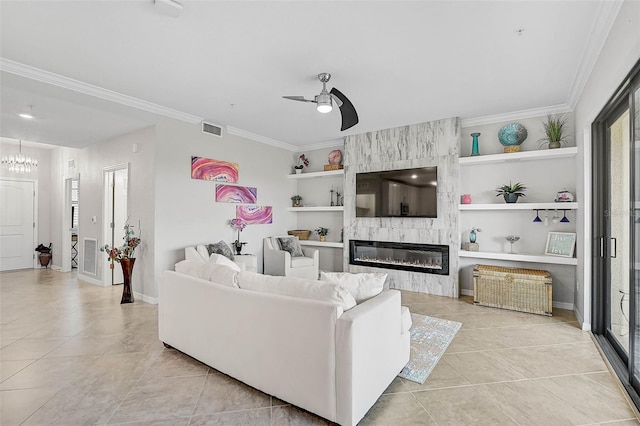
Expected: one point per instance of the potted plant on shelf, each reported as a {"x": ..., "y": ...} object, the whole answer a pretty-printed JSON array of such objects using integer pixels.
[
  {"x": 296, "y": 200},
  {"x": 303, "y": 162},
  {"x": 511, "y": 192},
  {"x": 322, "y": 233},
  {"x": 554, "y": 131}
]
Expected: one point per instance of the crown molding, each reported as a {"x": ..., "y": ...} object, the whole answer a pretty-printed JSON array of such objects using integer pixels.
[
  {"x": 262, "y": 139},
  {"x": 601, "y": 27},
  {"x": 336, "y": 143},
  {"x": 58, "y": 80},
  {"x": 517, "y": 115}
]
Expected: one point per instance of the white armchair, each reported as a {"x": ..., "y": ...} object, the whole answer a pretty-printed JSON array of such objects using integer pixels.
[{"x": 280, "y": 262}]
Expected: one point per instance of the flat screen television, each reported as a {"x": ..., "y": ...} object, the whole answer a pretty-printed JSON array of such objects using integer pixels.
[{"x": 398, "y": 193}]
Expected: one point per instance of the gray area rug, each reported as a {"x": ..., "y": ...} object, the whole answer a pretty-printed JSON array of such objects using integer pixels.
[{"x": 430, "y": 337}]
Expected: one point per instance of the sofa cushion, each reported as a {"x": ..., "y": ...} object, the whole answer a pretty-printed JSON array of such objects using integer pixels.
[
  {"x": 361, "y": 286},
  {"x": 203, "y": 252},
  {"x": 220, "y": 248},
  {"x": 292, "y": 245},
  {"x": 219, "y": 259},
  {"x": 297, "y": 287},
  {"x": 209, "y": 271},
  {"x": 405, "y": 317}
]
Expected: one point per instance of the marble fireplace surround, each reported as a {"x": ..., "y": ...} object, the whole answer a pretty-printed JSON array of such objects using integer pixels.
[{"x": 418, "y": 145}]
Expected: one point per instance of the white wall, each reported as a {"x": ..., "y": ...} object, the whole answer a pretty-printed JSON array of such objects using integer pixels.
[
  {"x": 620, "y": 52},
  {"x": 186, "y": 212}
]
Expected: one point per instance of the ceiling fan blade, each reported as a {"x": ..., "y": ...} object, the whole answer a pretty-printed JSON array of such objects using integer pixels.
[
  {"x": 347, "y": 110},
  {"x": 298, "y": 98}
]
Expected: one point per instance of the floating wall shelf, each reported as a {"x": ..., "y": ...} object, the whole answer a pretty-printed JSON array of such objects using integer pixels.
[
  {"x": 317, "y": 209},
  {"x": 312, "y": 175},
  {"x": 315, "y": 243},
  {"x": 520, "y": 206},
  {"x": 520, "y": 156},
  {"x": 517, "y": 257}
]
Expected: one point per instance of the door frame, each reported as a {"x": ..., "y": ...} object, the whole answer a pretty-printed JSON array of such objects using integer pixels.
[
  {"x": 65, "y": 265},
  {"x": 621, "y": 363},
  {"x": 107, "y": 277},
  {"x": 35, "y": 262}
]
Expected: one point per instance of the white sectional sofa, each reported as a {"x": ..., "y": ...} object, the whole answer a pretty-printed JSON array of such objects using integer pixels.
[{"x": 305, "y": 349}]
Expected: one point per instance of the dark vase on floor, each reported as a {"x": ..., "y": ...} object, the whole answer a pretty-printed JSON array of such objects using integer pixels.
[
  {"x": 127, "y": 270},
  {"x": 44, "y": 258}
]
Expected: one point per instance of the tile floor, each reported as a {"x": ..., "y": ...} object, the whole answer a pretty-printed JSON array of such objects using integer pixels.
[{"x": 70, "y": 354}]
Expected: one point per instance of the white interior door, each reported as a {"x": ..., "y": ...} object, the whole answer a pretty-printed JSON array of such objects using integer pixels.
[
  {"x": 116, "y": 215},
  {"x": 17, "y": 222}
]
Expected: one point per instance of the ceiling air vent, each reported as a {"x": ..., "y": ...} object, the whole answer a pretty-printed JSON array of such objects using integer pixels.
[{"x": 211, "y": 129}]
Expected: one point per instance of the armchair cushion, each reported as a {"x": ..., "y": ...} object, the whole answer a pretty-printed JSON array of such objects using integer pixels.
[
  {"x": 220, "y": 248},
  {"x": 292, "y": 245},
  {"x": 362, "y": 286},
  {"x": 301, "y": 261}
]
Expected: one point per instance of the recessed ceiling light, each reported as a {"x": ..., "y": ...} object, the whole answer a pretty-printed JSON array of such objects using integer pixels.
[
  {"x": 414, "y": 176},
  {"x": 25, "y": 115}
]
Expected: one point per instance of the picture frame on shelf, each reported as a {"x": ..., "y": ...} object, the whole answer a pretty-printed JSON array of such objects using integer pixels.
[{"x": 560, "y": 244}]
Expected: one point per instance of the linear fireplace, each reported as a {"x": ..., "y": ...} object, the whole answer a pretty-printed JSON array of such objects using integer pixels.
[{"x": 428, "y": 258}]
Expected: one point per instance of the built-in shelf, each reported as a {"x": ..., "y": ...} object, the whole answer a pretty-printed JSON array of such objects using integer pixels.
[
  {"x": 315, "y": 243},
  {"x": 312, "y": 175},
  {"x": 517, "y": 257},
  {"x": 317, "y": 209},
  {"x": 520, "y": 156},
  {"x": 520, "y": 206}
]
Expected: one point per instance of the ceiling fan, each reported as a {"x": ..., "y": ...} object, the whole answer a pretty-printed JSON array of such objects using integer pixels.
[{"x": 325, "y": 100}]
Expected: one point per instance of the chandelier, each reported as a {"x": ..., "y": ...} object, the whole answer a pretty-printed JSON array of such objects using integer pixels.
[{"x": 19, "y": 163}]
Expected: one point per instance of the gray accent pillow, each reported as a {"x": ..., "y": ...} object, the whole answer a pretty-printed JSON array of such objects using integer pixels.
[
  {"x": 292, "y": 245},
  {"x": 220, "y": 248}
]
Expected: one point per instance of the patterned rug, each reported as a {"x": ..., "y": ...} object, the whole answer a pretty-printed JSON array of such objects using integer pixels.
[{"x": 430, "y": 337}]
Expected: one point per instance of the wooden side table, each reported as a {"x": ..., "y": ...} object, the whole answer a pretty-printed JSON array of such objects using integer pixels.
[{"x": 250, "y": 261}]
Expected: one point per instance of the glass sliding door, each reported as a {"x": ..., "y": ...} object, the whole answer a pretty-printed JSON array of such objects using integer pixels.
[
  {"x": 616, "y": 233},
  {"x": 635, "y": 234}
]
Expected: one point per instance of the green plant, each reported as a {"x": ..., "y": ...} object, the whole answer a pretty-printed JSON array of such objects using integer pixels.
[
  {"x": 516, "y": 188},
  {"x": 296, "y": 199},
  {"x": 322, "y": 231},
  {"x": 554, "y": 131}
]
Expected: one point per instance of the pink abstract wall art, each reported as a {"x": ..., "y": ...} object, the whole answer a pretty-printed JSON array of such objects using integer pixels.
[
  {"x": 208, "y": 169},
  {"x": 255, "y": 215},
  {"x": 236, "y": 194}
]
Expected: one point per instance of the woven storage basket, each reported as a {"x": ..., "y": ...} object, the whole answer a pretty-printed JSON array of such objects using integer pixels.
[
  {"x": 302, "y": 234},
  {"x": 524, "y": 290}
]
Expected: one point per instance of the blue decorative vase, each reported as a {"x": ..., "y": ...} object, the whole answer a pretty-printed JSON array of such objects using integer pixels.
[
  {"x": 511, "y": 136},
  {"x": 472, "y": 236},
  {"x": 474, "y": 144}
]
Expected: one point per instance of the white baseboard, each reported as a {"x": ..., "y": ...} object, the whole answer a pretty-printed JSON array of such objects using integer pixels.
[
  {"x": 145, "y": 298},
  {"x": 90, "y": 280},
  {"x": 585, "y": 325}
]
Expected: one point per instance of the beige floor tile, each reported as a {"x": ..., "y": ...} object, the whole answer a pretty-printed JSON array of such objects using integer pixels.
[
  {"x": 600, "y": 405},
  {"x": 480, "y": 367},
  {"x": 582, "y": 357},
  {"x": 5, "y": 342},
  {"x": 531, "y": 362},
  {"x": 223, "y": 393},
  {"x": 172, "y": 363},
  {"x": 160, "y": 399},
  {"x": 169, "y": 422},
  {"x": 125, "y": 367},
  {"x": 51, "y": 372},
  {"x": 17, "y": 405},
  {"x": 628, "y": 422},
  {"x": 81, "y": 405},
  {"x": 257, "y": 417},
  {"x": 462, "y": 406},
  {"x": 136, "y": 342},
  {"x": 30, "y": 348},
  {"x": 442, "y": 376},
  {"x": 289, "y": 415},
  {"x": 9, "y": 368},
  {"x": 82, "y": 345},
  {"x": 397, "y": 409}
]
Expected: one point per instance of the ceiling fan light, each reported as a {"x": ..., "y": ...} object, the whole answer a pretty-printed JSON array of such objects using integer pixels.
[
  {"x": 324, "y": 108},
  {"x": 324, "y": 102}
]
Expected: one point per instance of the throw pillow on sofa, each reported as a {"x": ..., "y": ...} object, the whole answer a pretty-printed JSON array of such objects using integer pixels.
[
  {"x": 219, "y": 259},
  {"x": 297, "y": 287},
  {"x": 209, "y": 271},
  {"x": 362, "y": 286},
  {"x": 220, "y": 248},
  {"x": 292, "y": 245}
]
